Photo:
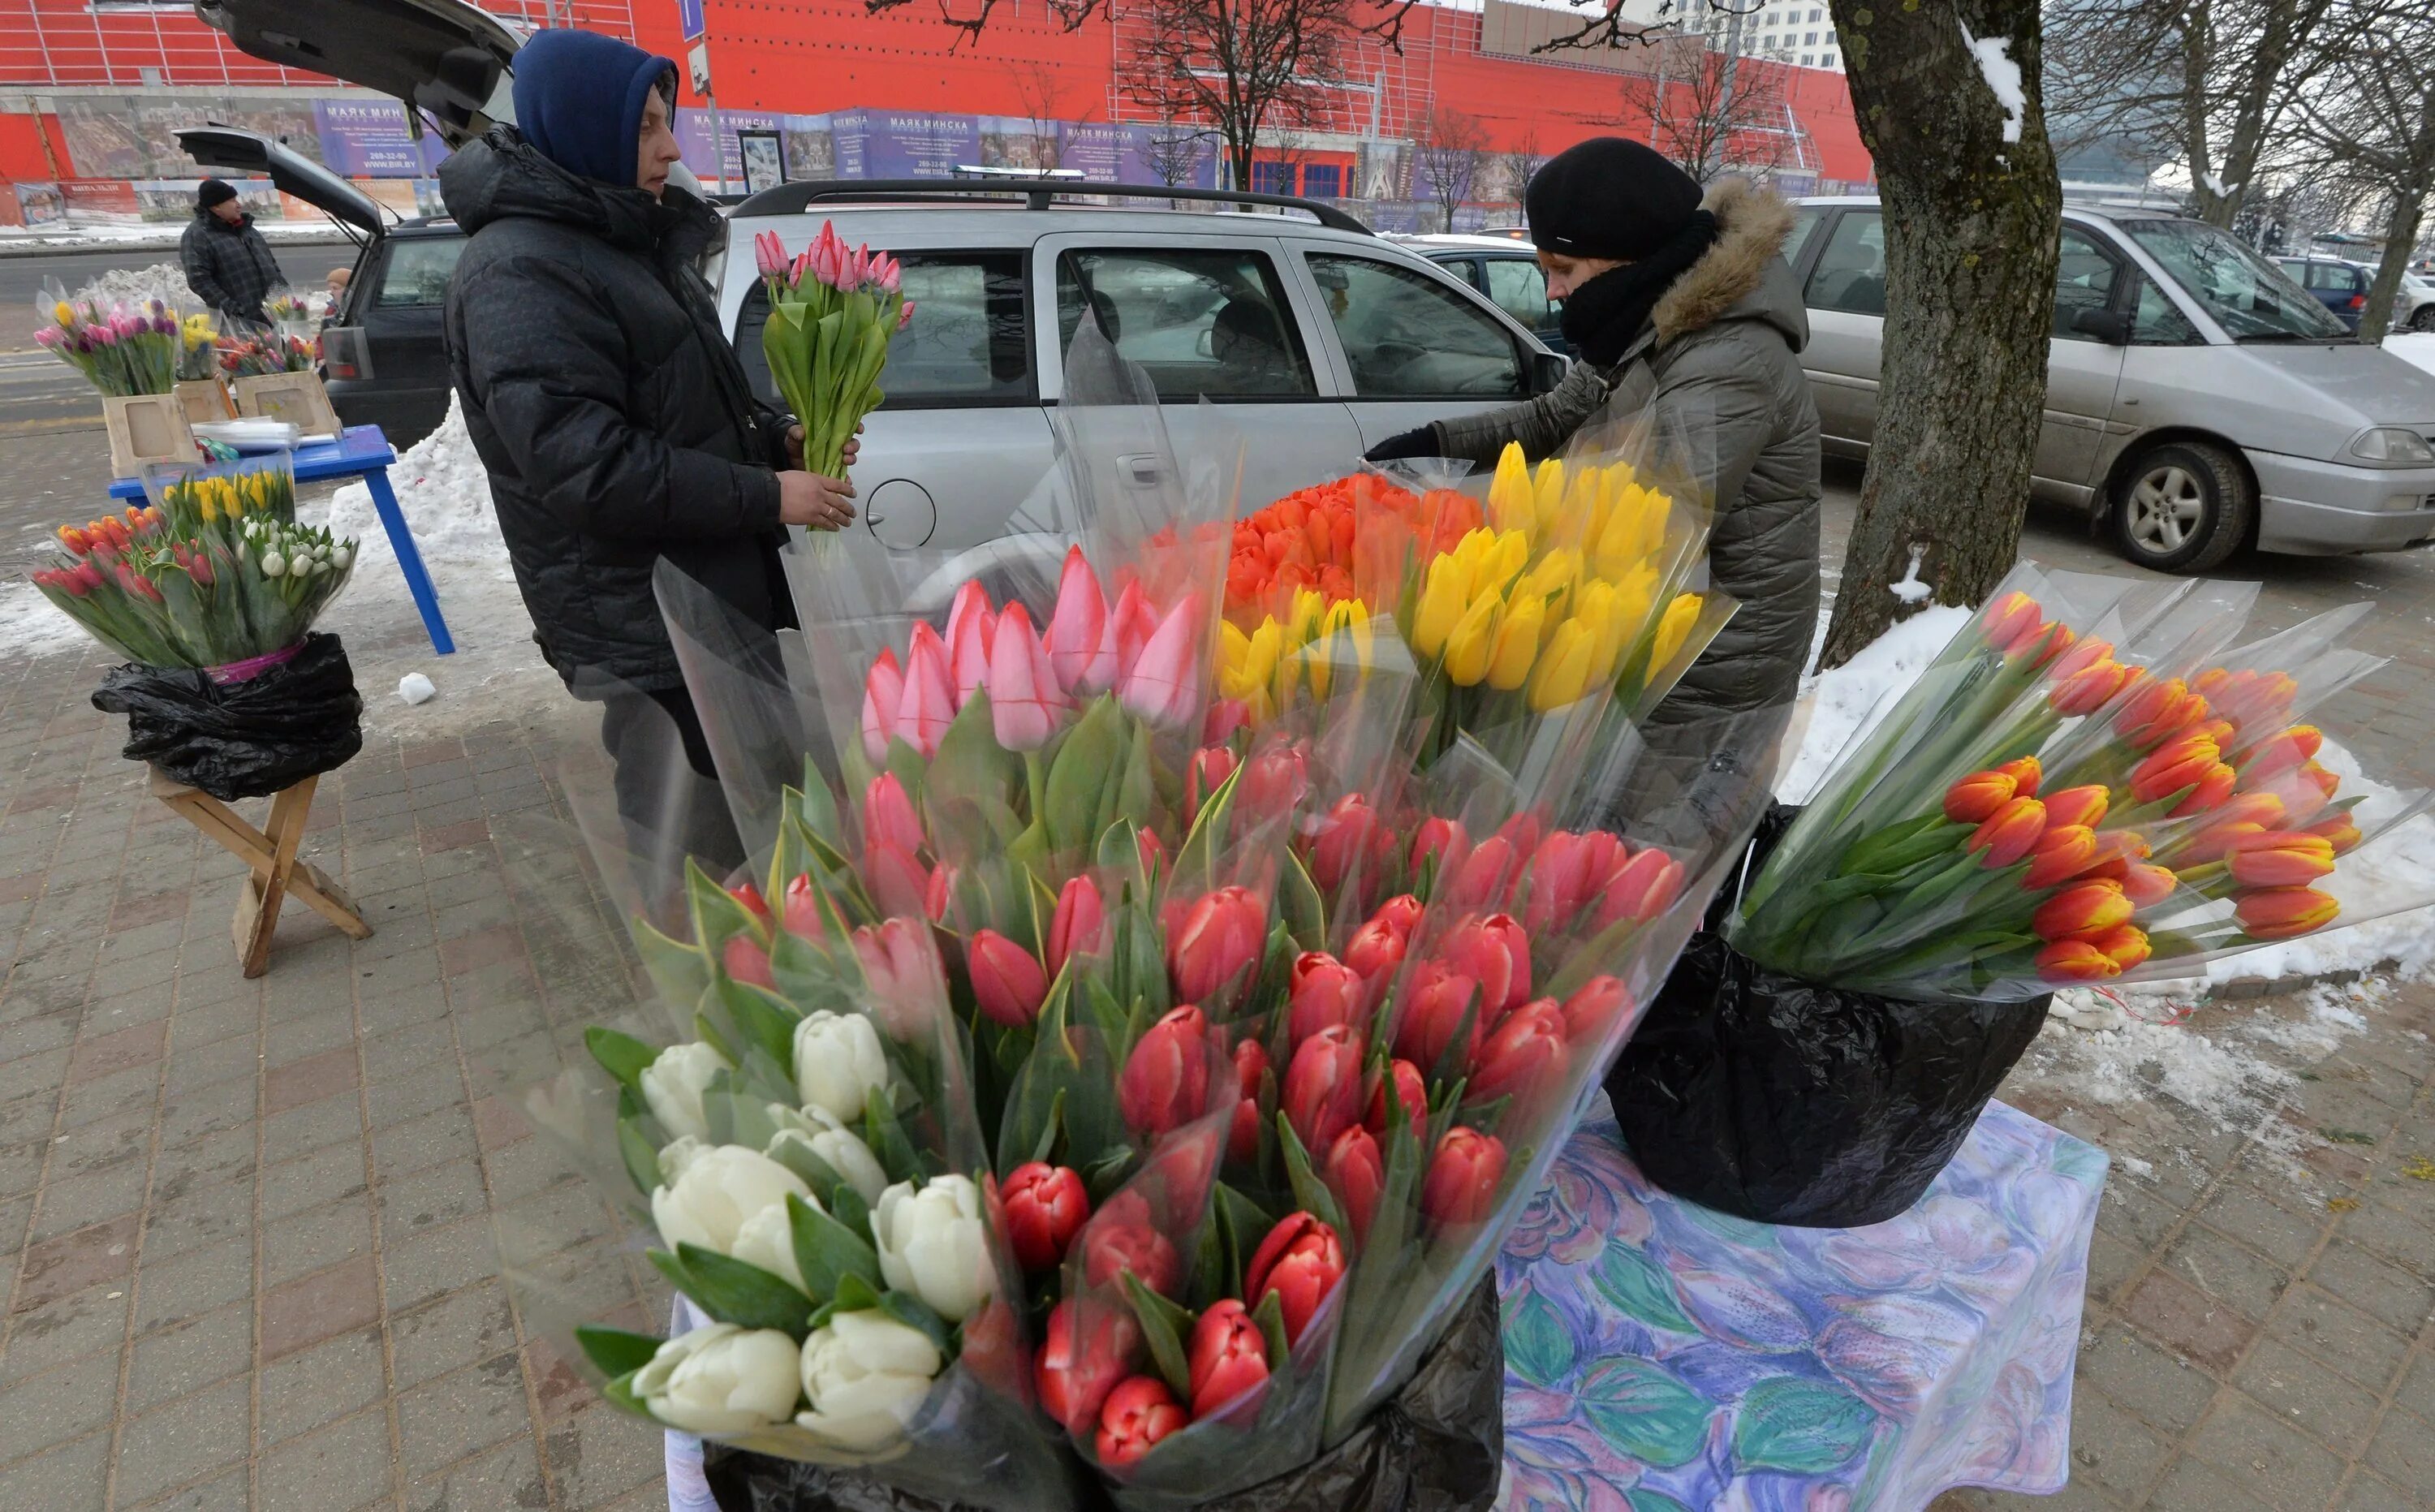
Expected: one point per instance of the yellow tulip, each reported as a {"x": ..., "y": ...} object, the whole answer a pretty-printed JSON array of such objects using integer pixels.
[
  {"x": 1516, "y": 644},
  {"x": 1563, "y": 674},
  {"x": 1546, "y": 489},
  {"x": 1553, "y": 577},
  {"x": 1344, "y": 637},
  {"x": 1569, "y": 524},
  {"x": 1594, "y": 610},
  {"x": 1472, "y": 640},
  {"x": 1674, "y": 628},
  {"x": 1505, "y": 557},
  {"x": 1635, "y": 594},
  {"x": 63, "y": 313},
  {"x": 1510, "y": 499},
  {"x": 1444, "y": 597}
]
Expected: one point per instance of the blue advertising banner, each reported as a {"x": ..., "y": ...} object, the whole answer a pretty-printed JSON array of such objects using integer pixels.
[
  {"x": 904, "y": 144},
  {"x": 367, "y": 139}
]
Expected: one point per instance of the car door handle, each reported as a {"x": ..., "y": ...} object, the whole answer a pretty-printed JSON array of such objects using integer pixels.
[{"x": 1141, "y": 469}]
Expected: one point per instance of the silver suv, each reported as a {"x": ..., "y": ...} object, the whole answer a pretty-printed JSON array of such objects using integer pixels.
[
  {"x": 2197, "y": 398},
  {"x": 1312, "y": 338}
]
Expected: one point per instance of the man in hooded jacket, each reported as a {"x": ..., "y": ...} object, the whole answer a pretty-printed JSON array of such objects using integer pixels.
[
  {"x": 1681, "y": 304},
  {"x": 617, "y": 426}
]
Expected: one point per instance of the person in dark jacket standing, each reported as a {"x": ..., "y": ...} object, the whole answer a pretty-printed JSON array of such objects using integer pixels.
[
  {"x": 227, "y": 263},
  {"x": 1683, "y": 302},
  {"x": 609, "y": 410}
]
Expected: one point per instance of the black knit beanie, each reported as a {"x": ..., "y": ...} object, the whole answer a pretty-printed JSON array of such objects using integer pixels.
[
  {"x": 1609, "y": 198},
  {"x": 214, "y": 192}
]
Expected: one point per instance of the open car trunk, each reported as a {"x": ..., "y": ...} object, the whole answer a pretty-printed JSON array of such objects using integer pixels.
[{"x": 447, "y": 60}]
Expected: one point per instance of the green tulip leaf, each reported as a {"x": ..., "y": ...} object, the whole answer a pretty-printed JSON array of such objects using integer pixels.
[
  {"x": 1310, "y": 1194},
  {"x": 1270, "y": 1316},
  {"x": 1300, "y": 905},
  {"x": 817, "y": 1174},
  {"x": 910, "y": 1310},
  {"x": 1803, "y": 1427},
  {"x": 1080, "y": 775},
  {"x": 1640, "y": 1408},
  {"x": 970, "y": 763},
  {"x": 819, "y": 805},
  {"x": 614, "y": 1351},
  {"x": 717, "y": 918},
  {"x": 826, "y": 1251},
  {"x": 733, "y": 1292},
  {"x": 619, "y": 1392},
  {"x": 884, "y": 1133},
  {"x": 1164, "y": 1327},
  {"x": 621, "y": 1055},
  {"x": 678, "y": 969},
  {"x": 641, "y": 1156}
]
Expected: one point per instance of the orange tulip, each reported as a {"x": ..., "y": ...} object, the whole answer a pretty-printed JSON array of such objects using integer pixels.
[
  {"x": 2249, "y": 698},
  {"x": 2026, "y": 774},
  {"x": 2076, "y": 961},
  {"x": 2010, "y": 619},
  {"x": 2340, "y": 831},
  {"x": 2077, "y": 805},
  {"x": 2279, "y": 913},
  {"x": 2250, "y": 808},
  {"x": 2008, "y": 834},
  {"x": 2062, "y": 852},
  {"x": 2126, "y": 945},
  {"x": 2213, "y": 787},
  {"x": 2179, "y": 764},
  {"x": 2282, "y": 860},
  {"x": 2082, "y": 687},
  {"x": 2280, "y": 752},
  {"x": 2156, "y": 709},
  {"x": 2215, "y": 842},
  {"x": 1974, "y": 798},
  {"x": 2082, "y": 908},
  {"x": 2147, "y": 886}
]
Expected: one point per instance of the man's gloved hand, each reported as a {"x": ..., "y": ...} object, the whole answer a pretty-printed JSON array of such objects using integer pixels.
[{"x": 1421, "y": 442}]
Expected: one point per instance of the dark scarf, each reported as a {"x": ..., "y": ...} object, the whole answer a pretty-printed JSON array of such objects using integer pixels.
[{"x": 1606, "y": 314}]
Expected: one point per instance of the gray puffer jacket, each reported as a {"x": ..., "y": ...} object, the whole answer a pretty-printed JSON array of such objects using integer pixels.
[{"x": 1723, "y": 348}]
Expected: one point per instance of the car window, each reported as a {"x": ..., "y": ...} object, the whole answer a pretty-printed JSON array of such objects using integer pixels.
[
  {"x": 1806, "y": 221},
  {"x": 1199, "y": 322},
  {"x": 2157, "y": 322},
  {"x": 417, "y": 271},
  {"x": 1519, "y": 287},
  {"x": 1406, "y": 336},
  {"x": 2251, "y": 297},
  {"x": 1851, "y": 274},
  {"x": 2327, "y": 276},
  {"x": 2084, "y": 280},
  {"x": 968, "y": 345}
]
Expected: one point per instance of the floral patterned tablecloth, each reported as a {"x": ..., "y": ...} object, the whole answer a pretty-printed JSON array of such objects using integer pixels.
[{"x": 1660, "y": 1357}]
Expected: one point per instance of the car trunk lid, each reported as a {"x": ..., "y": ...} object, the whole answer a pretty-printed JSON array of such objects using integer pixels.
[
  {"x": 291, "y": 172},
  {"x": 443, "y": 58}
]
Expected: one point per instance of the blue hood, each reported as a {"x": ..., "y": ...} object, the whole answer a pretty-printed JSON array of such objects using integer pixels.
[{"x": 579, "y": 99}]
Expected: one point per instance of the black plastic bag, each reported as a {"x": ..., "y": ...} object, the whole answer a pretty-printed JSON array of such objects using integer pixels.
[
  {"x": 1438, "y": 1446},
  {"x": 243, "y": 739},
  {"x": 1782, "y": 1101}
]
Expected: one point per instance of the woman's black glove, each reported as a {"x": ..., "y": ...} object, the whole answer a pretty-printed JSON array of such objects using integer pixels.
[{"x": 1421, "y": 442}]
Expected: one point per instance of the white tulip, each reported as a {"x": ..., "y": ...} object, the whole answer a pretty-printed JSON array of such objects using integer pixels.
[
  {"x": 768, "y": 1240},
  {"x": 717, "y": 1191},
  {"x": 273, "y": 565},
  {"x": 722, "y": 1379},
  {"x": 838, "y": 1063},
  {"x": 839, "y": 1149},
  {"x": 673, "y": 1084},
  {"x": 339, "y": 557},
  {"x": 678, "y": 1154},
  {"x": 865, "y": 1375},
  {"x": 931, "y": 1244}
]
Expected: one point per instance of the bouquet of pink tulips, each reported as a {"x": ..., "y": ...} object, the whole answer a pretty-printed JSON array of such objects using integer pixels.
[
  {"x": 833, "y": 311},
  {"x": 121, "y": 351}
]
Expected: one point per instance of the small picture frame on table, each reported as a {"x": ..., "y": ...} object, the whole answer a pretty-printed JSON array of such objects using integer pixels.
[
  {"x": 145, "y": 429},
  {"x": 297, "y": 398},
  {"x": 205, "y": 399}
]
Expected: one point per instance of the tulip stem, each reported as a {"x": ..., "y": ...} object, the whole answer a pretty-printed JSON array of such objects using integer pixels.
[{"x": 1035, "y": 778}]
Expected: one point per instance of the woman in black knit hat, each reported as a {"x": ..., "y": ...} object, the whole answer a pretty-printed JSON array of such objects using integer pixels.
[{"x": 1682, "y": 301}]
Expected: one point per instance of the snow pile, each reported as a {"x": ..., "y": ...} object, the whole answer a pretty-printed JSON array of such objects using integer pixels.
[
  {"x": 1847, "y": 702},
  {"x": 445, "y": 496},
  {"x": 166, "y": 282},
  {"x": 2003, "y": 77},
  {"x": 2414, "y": 348}
]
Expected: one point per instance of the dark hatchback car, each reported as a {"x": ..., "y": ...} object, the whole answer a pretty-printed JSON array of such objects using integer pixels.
[{"x": 381, "y": 353}]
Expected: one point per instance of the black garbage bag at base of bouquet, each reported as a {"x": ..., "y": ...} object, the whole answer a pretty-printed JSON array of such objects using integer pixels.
[
  {"x": 1785, "y": 1101},
  {"x": 1438, "y": 1446},
  {"x": 244, "y": 739}
]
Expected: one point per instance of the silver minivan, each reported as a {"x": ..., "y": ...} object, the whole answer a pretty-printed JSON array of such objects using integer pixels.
[
  {"x": 1310, "y": 338},
  {"x": 2197, "y": 398}
]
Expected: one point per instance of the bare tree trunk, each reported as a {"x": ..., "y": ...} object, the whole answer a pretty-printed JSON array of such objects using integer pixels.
[
  {"x": 2400, "y": 236},
  {"x": 1972, "y": 222}
]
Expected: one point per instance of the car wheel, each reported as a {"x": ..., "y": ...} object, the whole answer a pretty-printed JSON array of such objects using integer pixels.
[
  {"x": 2182, "y": 507},
  {"x": 2423, "y": 320}
]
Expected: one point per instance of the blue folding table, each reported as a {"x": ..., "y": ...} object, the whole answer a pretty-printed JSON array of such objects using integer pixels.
[{"x": 360, "y": 450}]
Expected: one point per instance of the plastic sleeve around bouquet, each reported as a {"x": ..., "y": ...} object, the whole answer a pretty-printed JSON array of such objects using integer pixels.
[
  {"x": 2086, "y": 787},
  {"x": 787, "y": 1137}
]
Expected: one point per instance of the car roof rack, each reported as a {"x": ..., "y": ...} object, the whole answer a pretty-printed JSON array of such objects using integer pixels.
[{"x": 1038, "y": 193}]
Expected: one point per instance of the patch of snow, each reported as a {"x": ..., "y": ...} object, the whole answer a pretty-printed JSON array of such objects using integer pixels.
[
  {"x": 2003, "y": 77},
  {"x": 166, "y": 282},
  {"x": 2416, "y": 348},
  {"x": 1910, "y": 590},
  {"x": 1847, "y": 702}
]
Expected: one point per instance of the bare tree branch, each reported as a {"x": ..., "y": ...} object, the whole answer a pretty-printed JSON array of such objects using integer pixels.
[{"x": 1450, "y": 152}]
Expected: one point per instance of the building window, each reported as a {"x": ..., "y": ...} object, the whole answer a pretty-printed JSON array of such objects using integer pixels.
[
  {"x": 1272, "y": 178},
  {"x": 1322, "y": 181},
  {"x": 1810, "y": 41},
  {"x": 1817, "y": 13},
  {"x": 1829, "y": 59}
]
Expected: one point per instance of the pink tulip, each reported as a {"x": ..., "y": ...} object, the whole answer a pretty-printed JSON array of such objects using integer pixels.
[
  {"x": 799, "y": 269},
  {"x": 904, "y": 316},
  {"x": 1130, "y": 624},
  {"x": 928, "y": 706},
  {"x": 1078, "y": 646},
  {"x": 899, "y": 883},
  {"x": 970, "y": 624},
  {"x": 1077, "y": 924},
  {"x": 1025, "y": 703},
  {"x": 883, "y": 693},
  {"x": 898, "y": 961},
  {"x": 1164, "y": 684},
  {"x": 890, "y": 276},
  {"x": 1008, "y": 984},
  {"x": 888, "y": 816},
  {"x": 770, "y": 253}
]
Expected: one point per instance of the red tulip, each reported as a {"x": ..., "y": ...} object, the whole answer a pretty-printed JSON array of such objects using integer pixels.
[
  {"x": 899, "y": 884},
  {"x": 1411, "y": 1095},
  {"x": 1026, "y": 703},
  {"x": 749, "y": 898},
  {"x": 2009, "y": 832},
  {"x": 2082, "y": 908},
  {"x": 2213, "y": 787},
  {"x": 2279, "y": 913},
  {"x": 1350, "y": 840},
  {"x": 1464, "y": 1174},
  {"x": 1273, "y": 783},
  {"x": 2265, "y": 809},
  {"x": 1355, "y": 1175},
  {"x": 1007, "y": 982},
  {"x": 745, "y": 961},
  {"x": 2062, "y": 852},
  {"x": 928, "y": 706},
  {"x": 1446, "y": 840},
  {"x": 2280, "y": 752},
  {"x": 2156, "y": 710},
  {"x": 2282, "y": 860},
  {"x": 1079, "y": 924},
  {"x": 888, "y": 816},
  {"x": 1135, "y": 1416},
  {"x": 883, "y": 693},
  {"x": 1301, "y": 1261},
  {"x": 1075, "y": 1381},
  {"x": 2077, "y": 806},
  {"x": 1402, "y": 912},
  {"x": 1322, "y": 993},
  {"x": 1592, "y": 1008},
  {"x": 1494, "y": 953},
  {"x": 2026, "y": 774},
  {"x": 802, "y": 909},
  {"x": 939, "y": 893},
  {"x": 2010, "y": 620},
  {"x": 1162, "y": 685},
  {"x": 2147, "y": 886},
  {"x": 1646, "y": 887},
  {"x": 2180, "y": 763},
  {"x": 2250, "y": 700},
  {"x": 1560, "y": 874},
  {"x": 1376, "y": 950},
  {"x": 1218, "y": 941},
  {"x": 1525, "y": 1053},
  {"x": 1080, "y": 645},
  {"x": 1486, "y": 876},
  {"x": 2076, "y": 961},
  {"x": 1227, "y": 1356},
  {"x": 970, "y": 626},
  {"x": 1120, "y": 1237},
  {"x": 1211, "y": 767},
  {"x": 1045, "y": 1207},
  {"x": 2216, "y": 841},
  {"x": 1975, "y": 799},
  {"x": 1323, "y": 1091},
  {"x": 1165, "y": 1080},
  {"x": 1251, "y": 1069},
  {"x": 1153, "y": 852},
  {"x": 1434, "y": 1002},
  {"x": 2340, "y": 831},
  {"x": 1225, "y": 716},
  {"x": 2089, "y": 685},
  {"x": 2126, "y": 945}
]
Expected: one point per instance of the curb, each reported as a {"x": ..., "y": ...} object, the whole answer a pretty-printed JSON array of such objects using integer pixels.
[{"x": 36, "y": 248}]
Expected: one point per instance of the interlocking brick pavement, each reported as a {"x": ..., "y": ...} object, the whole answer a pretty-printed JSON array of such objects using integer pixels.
[{"x": 247, "y": 1249}]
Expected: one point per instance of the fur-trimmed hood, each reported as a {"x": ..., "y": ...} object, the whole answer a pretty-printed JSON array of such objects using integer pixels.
[{"x": 1732, "y": 277}]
